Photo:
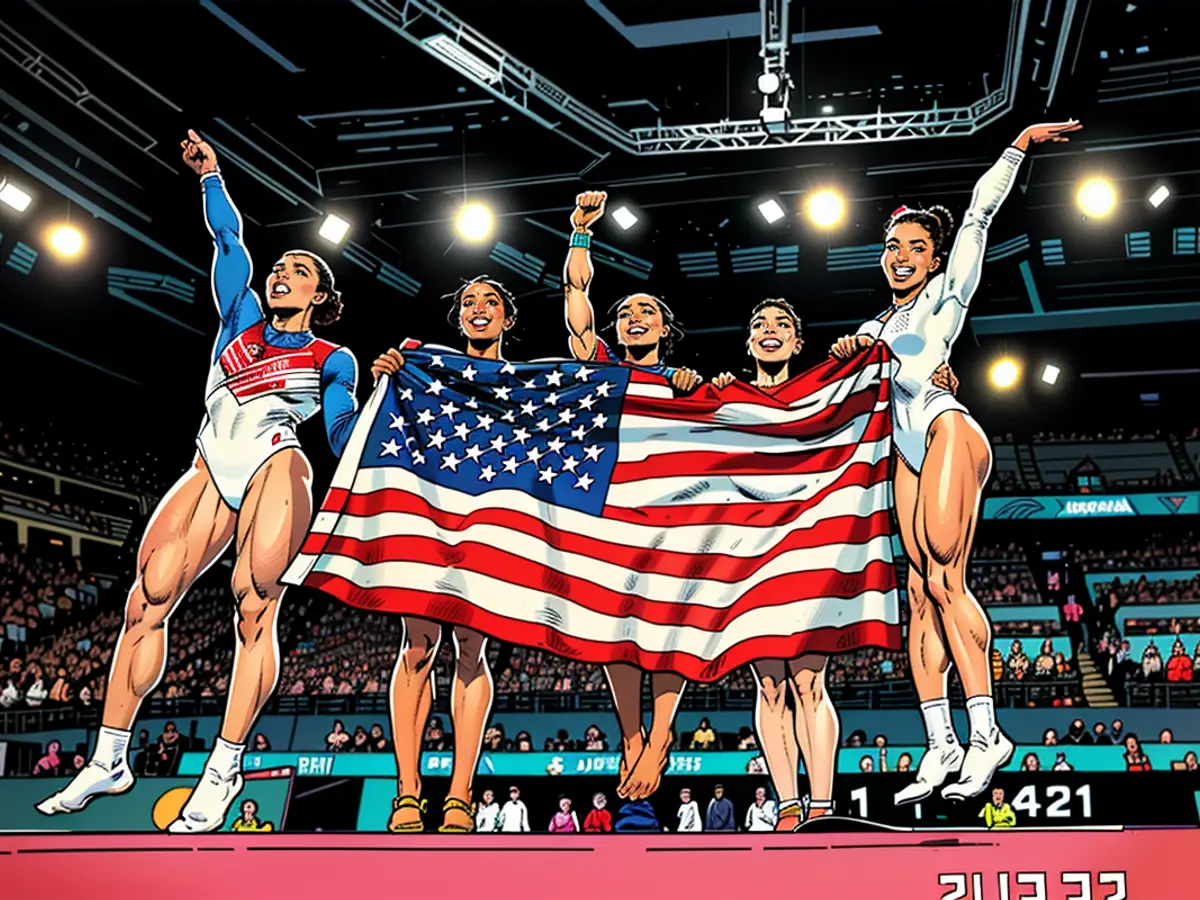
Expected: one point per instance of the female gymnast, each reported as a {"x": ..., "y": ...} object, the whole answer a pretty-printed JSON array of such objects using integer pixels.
[
  {"x": 482, "y": 310},
  {"x": 809, "y": 730},
  {"x": 646, "y": 329},
  {"x": 249, "y": 484},
  {"x": 943, "y": 462}
]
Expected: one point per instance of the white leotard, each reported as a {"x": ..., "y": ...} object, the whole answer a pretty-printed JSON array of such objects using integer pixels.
[{"x": 921, "y": 332}]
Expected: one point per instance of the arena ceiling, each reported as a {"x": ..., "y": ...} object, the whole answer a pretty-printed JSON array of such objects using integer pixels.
[{"x": 388, "y": 113}]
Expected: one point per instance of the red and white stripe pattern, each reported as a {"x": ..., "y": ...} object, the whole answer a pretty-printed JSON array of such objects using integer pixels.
[{"x": 738, "y": 526}]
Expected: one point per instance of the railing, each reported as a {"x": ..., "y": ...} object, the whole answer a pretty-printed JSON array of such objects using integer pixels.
[
  {"x": 896, "y": 694},
  {"x": 1164, "y": 694}
]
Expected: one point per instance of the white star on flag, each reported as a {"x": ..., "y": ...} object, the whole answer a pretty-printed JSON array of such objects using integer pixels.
[
  {"x": 570, "y": 464},
  {"x": 507, "y": 369},
  {"x": 425, "y": 417},
  {"x": 435, "y": 388},
  {"x": 406, "y": 394},
  {"x": 552, "y": 399},
  {"x": 509, "y": 416},
  {"x": 485, "y": 422},
  {"x": 593, "y": 452},
  {"x": 554, "y": 379},
  {"x": 566, "y": 417},
  {"x": 418, "y": 458},
  {"x": 520, "y": 435},
  {"x": 544, "y": 425},
  {"x": 502, "y": 392},
  {"x": 583, "y": 373},
  {"x": 451, "y": 461},
  {"x": 603, "y": 388},
  {"x": 449, "y": 409},
  {"x": 435, "y": 360},
  {"x": 498, "y": 443},
  {"x": 556, "y": 445},
  {"x": 472, "y": 403},
  {"x": 528, "y": 408},
  {"x": 462, "y": 431},
  {"x": 511, "y": 465},
  {"x": 584, "y": 481},
  {"x": 487, "y": 473},
  {"x": 391, "y": 448},
  {"x": 469, "y": 372},
  {"x": 398, "y": 422},
  {"x": 587, "y": 402},
  {"x": 531, "y": 384},
  {"x": 599, "y": 421},
  {"x": 436, "y": 439},
  {"x": 547, "y": 475},
  {"x": 474, "y": 452},
  {"x": 534, "y": 454},
  {"x": 579, "y": 433}
]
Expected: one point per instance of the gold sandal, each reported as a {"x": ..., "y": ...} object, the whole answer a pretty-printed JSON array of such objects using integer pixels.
[
  {"x": 456, "y": 805},
  {"x": 407, "y": 802}
]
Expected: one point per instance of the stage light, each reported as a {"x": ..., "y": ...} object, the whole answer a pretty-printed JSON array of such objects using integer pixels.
[
  {"x": 1004, "y": 373},
  {"x": 624, "y": 218},
  {"x": 1160, "y": 195},
  {"x": 1050, "y": 374},
  {"x": 826, "y": 208},
  {"x": 66, "y": 240},
  {"x": 826, "y": 110},
  {"x": 1097, "y": 198},
  {"x": 771, "y": 211},
  {"x": 13, "y": 196},
  {"x": 768, "y": 83},
  {"x": 475, "y": 222},
  {"x": 334, "y": 229}
]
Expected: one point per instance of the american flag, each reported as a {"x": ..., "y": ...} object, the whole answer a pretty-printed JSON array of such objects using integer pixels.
[{"x": 583, "y": 509}]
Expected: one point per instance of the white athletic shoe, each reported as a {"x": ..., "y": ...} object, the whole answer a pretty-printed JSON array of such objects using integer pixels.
[
  {"x": 206, "y": 809},
  {"x": 94, "y": 780},
  {"x": 937, "y": 765},
  {"x": 982, "y": 760}
]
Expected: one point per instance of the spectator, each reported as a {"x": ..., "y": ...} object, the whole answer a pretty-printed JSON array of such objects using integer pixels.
[
  {"x": 904, "y": 763},
  {"x": 514, "y": 817},
  {"x": 595, "y": 740},
  {"x": 1061, "y": 764},
  {"x": 1100, "y": 734},
  {"x": 1166, "y": 737},
  {"x": 51, "y": 763},
  {"x": 249, "y": 821},
  {"x": 1190, "y": 762},
  {"x": 337, "y": 740},
  {"x": 998, "y": 814},
  {"x": 1179, "y": 666},
  {"x": 379, "y": 741},
  {"x": 435, "y": 735},
  {"x": 487, "y": 817},
  {"x": 261, "y": 744},
  {"x": 361, "y": 743},
  {"x": 689, "y": 813},
  {"x": 704, "y": 737},
  {"x": 565, "y": 821},
  {"x": 746, "y": 739},
  {"x": 1031, "y": 763},
  {"x": 599, "y": 820},
  {"x": 1077, "y": 734},
  {"x": 1050, "y": 738},
  {"x": 1118, "y": 731},
  {"x": 761, "y": 814},
  {"x": 720, "y": 814},
  {"x": 1018, "y": 662},
  {"x": 866, "y": 764},
  {"x": 1135, "y": 759},
  {"x": 524, "y": 742}
]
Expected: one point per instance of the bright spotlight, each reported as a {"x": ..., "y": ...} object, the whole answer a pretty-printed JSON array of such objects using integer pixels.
[
  {"x": 826, "y": 110},
  {"x": 624, "y": 218},
  {"x": 13, "y": 196},
  {"x": 1097, "y": 198},
  {"x": 66, "y": 240},
  {"x": 771, "y": 211},
  {"x": 475, "y": 222},
  {"x": 334, "y": 229},
  {"x": 1004, "y": 373},
  {"x": 1160, "y": 195},
  {"x": 768, "y": 83},
  {"x": 1050, "y": 374},
  {"x": 825, "y": 208}
]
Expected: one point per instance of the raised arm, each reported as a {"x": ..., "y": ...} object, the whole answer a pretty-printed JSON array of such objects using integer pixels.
[
  {"x": 339, "y": 399},
  {"x": 966, "y": 258},
  {"x": 578, "y": 272},
  {"x": 237, "y": 304}
]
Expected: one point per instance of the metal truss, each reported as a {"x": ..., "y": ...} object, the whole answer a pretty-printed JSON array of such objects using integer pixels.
[{"x": 438, "y": 32}]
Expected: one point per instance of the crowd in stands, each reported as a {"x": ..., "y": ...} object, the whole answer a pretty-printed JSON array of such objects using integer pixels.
[
  {"x": 71, "y": 515},
  {"x": 1156, "y": 552},
  {"x": 53, "y": 449}
]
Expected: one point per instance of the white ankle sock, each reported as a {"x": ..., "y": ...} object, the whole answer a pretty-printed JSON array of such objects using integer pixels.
[
  {"x": 939, "y": 727},
  {"x": 112, "y": 748},
  {"x": 226, "y": 758},
  {"x": 981, "y": 716}
]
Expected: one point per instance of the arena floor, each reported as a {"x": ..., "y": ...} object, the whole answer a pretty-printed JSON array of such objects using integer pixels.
[{"x": 922, "y": 865}]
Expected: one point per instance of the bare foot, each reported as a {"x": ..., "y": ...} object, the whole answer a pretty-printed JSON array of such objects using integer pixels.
[
  {"x": 648, "y": 771},
  {"x": 631, "y": 752}
]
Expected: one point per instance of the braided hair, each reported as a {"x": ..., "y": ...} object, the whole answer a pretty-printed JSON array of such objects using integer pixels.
[
  {"x": 937, "y": 221},
  {"x": 674, "y": 331}
]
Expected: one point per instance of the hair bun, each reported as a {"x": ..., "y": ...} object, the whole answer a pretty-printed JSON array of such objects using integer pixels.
[{"x": 944, "y": 217}]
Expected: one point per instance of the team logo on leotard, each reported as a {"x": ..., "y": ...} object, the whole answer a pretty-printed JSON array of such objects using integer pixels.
[{"x": 255, "y": 350}]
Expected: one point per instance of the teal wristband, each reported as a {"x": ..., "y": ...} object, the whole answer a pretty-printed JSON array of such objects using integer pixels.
[{"x": 578, "y": 239}]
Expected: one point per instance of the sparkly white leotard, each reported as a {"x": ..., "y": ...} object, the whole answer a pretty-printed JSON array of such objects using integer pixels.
[{"x": 921, "y": 332}]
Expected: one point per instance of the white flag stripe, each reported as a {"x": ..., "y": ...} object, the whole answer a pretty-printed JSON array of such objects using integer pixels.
[
  {"x": 738, "y": 540},
  {"x": 497, "y": 596},
  {"x": 700, "y": 591},
  {"x": 816, "y": 403},
  {"x": 642, "y": 437},
  {"x": 691, "y": 490}
]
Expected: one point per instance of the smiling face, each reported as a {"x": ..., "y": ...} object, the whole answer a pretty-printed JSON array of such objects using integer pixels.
[
  {"x": 909, "y": 258},
  {"x": 640, "y": 322},
  {"x": 481, "y": 312},
  {"x": 774, "y": 336},
  {"x": 293, "y": 285}
]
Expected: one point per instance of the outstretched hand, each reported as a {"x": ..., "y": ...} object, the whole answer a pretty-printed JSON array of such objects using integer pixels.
[
  {"x": 198, "y": 154},
  {"x": 589, "y": 207},
  {"x": 1051, "y": 132},
  {"x": 388, "y": 363}
]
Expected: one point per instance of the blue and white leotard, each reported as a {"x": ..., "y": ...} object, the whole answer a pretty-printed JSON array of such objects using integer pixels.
[
  {"x": 262, "y": 382},
  {"x": 921, "y": 332}
]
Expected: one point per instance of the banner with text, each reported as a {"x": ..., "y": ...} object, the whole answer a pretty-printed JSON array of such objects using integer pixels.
[{"x": 1092, "y": 506}]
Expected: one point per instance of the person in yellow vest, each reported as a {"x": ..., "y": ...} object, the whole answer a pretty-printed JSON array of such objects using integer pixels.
[
  {"x": 248, "y": 820},
  {"x": 998, "y": 814}
]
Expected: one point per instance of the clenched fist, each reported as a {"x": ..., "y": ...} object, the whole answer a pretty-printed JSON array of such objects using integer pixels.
[
  {"x": 685, "y": 379},
  {"x": 848, "y": 346},
  {"x": 724, "y": 380},
  {"x": 388, "y": 363},
  {"x": 589, "y": 207},
  {"x": 198, "y": 154}
]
